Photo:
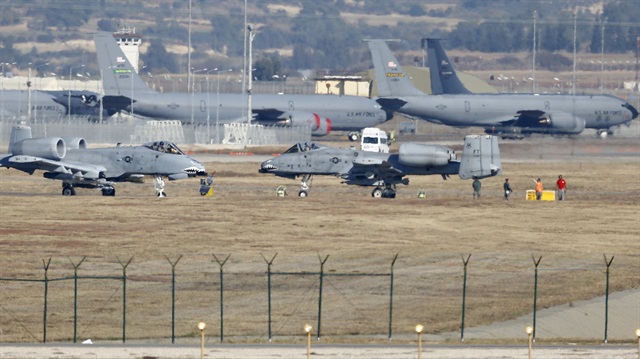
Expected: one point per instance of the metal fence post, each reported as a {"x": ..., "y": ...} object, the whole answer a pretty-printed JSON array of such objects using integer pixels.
[
  {"x": 606, "y": 300},
  {"x": 173, "y": 297},
  {"x": 124, "y": 298},
  {"x": 221, "y": 264},
  {"x": 46, "y": 296},
  {"x": 269, "y": 263},
  {"x": 535, "y": 294},
  {"x": 464, "y": 295},
  {"x": 391, "y": 297},
  {"x": 75, "y": 297},
  {"x": 320, "y": 292}
]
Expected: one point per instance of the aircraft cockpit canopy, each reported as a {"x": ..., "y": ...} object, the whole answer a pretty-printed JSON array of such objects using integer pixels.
[
  {"x": 303, "y": 147},
  {"x": 164, "y": 147}
]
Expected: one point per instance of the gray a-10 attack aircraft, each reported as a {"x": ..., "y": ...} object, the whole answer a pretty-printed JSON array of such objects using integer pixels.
[
  {"x": 508, "y": 115},
  {"x": 480, "y": 159},
  {"x": 323, "y": 113},
  {"x": 70, "y": 161}
]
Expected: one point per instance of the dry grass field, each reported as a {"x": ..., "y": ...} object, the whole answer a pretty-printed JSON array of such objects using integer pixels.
[{"x": 360, "y": 234}]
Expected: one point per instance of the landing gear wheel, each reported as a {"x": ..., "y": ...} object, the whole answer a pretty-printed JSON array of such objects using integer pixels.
[
  {"x": 305, "y": 185},
  {"x": 388, "y": 193},
  {"x": 376, "y": 193},
  {"x": 163, "y": 194},
  {"x": 353, "y": 136},
  {"x": 108, "y": 191},
  {"x": 68, "y": 191}
]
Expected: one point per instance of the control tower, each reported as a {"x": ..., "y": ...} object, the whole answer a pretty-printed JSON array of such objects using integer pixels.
[{"x": 130, "y": 43}]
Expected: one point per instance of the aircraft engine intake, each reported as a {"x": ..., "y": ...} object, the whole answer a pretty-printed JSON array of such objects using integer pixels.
[
  {"x": 563, "y": 122},
  {"x": 418, "y": 155},
  {"x": 50, "y": 147},
  {"x": 319, "y": 126},
  {"x": 76, "y": 143}
]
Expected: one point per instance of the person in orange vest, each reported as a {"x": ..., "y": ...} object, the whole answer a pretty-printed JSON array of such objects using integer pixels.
[{"x": 539, "y": 189}]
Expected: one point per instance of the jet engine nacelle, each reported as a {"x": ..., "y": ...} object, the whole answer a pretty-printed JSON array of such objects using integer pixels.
[
  {"x": 563, "y": 122},
  {"x": 52, "y": 148},
  {"x": 75, "y": 143},
  {"x": 419, "y": 155},
  {"x": 319, "y": 126}
]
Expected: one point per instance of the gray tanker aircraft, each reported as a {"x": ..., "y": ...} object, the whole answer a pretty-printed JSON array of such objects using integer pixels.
[
  {"x": 323, "y": 113},
  {"x": 480, "y": 159},
  {"x": 52, "y": 104},
  {"x": 507, "y": 115},
  {"x": 70, "y": 161}
]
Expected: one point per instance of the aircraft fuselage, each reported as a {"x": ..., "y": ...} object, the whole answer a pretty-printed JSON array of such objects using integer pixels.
[
  {"x": 345, "y": 112},
  {"x": 598, "y": 111}
]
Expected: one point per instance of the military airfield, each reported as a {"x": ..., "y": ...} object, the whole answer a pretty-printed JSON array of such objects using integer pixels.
[{"x": 246, "y": 221}]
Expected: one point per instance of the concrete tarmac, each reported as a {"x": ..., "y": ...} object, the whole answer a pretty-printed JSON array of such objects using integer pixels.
[{"x": 254, "y": 351}]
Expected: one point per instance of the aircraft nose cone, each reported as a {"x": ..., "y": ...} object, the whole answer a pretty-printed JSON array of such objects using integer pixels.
[
  {"x": 634, "y": 112},
  {"x": 267, "y": 167}
]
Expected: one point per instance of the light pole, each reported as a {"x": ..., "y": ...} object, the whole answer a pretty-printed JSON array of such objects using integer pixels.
[
  {"x": 35, "y": 110},
  {"x": 218, "y": 107},
  {"x": 2, "y": 92},
  {"x": 419, "y": 329},
  {"x": 193, "y": 90},
  {"x": 307, "y": 329},
  {"x": 202, "y": 326},
  {"x": 251, "y": 36},
  {"x": 69, "y": 93},
  {"x": 529, "y": 331},
  {"x": 209, "y": 104}
]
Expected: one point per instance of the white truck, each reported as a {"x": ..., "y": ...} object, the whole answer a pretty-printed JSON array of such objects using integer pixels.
[{"x": 374, "y": 140}]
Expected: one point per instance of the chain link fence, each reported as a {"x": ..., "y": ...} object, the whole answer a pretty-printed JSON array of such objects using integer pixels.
[{"x": 161, "y": 300}]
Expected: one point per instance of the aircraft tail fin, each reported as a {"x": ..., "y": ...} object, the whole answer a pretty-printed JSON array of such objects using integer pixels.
[
  {"x": 444, "y": 79},
  {"x": 18, "y": 133},
  {"x": 480, "y": 157},
  {"x": 119, "y": 78},
  {"x": 392, "y": 81}
]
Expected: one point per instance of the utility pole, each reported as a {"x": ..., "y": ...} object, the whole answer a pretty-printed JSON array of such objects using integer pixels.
[
  {"x": 251, "y": 36},
  {"x": 533, "y": 72}
]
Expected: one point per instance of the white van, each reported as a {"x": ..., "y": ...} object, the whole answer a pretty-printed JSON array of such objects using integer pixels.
[{"x": 374, "y": 140}]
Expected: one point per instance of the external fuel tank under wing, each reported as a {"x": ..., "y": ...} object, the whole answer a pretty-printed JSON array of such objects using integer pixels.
[
  {"x": 70, "y": 161},
  {"x": 481, "y": 158}
]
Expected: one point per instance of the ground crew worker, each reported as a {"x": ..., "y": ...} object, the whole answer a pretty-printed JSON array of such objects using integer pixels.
[
  {"x": 561, "y": 185},
  {"x": 507, "y": 189},
  {"x": 539, "y": 189},
  {"x": 476, "y": 187}
]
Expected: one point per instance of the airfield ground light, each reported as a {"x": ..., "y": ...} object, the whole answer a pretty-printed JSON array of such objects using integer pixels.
[
  {"x": 419, "y": 329},
  {"x": 529, "y": 331},
  {"x": 307, "y": 329},
  {"x": 202, "y": 326}
]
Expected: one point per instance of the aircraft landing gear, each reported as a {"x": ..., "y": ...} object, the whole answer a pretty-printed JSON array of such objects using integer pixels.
[
  {"x": 68, "y": 190},
  {"x": 305, "y": 185},
  {"x": 353, "y": 136},
  {"x": 158, "y": 184},
  {"x": 389, "y": 191},
  {"x": 108, "y": 191}
]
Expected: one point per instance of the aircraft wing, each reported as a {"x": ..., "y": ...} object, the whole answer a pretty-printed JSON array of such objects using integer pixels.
[
  {"x": 267, "y": 113},
  {"x": 381, "y": 169},
  {"x": 63, "y": 168}
]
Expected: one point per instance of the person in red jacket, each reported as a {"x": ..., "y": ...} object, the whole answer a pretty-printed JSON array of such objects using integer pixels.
[{"x": 561, "y": 185}]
